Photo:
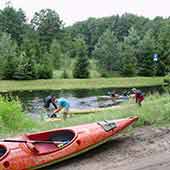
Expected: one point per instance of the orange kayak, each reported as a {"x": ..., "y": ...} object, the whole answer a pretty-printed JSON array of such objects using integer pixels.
[{"x": 37, "y": 150}]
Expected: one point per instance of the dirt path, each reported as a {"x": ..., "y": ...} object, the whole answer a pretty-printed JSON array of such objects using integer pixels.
[{"x": 146, "y": 149}]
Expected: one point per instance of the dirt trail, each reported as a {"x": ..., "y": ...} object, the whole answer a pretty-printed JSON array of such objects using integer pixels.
[{"x": 146, "y": 149}]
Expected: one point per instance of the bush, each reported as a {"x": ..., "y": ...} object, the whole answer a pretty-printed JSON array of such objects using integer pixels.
[
  {"x": 64, "y": 74},
  {"x": 44, "y": 71},
  {"x": 81, "y": 69},
  {"x": 12, "y": 117}
]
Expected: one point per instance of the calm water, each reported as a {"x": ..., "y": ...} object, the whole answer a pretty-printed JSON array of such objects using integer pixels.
[{"x": 81, "y": 99}]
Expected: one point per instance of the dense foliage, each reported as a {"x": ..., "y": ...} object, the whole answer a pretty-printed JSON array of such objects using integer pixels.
[
  {"x": 12, "y": 117},
  {"x": 116, "y": 45},
  {"x": 81, "y": 65}
]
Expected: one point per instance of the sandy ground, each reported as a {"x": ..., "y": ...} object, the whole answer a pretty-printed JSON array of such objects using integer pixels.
[{"x": 145, "y": 148}]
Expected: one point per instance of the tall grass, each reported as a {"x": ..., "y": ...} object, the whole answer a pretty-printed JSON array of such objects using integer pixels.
[
  {"x": 154, "y": 111},
  {"x": 12, "y": 117}
]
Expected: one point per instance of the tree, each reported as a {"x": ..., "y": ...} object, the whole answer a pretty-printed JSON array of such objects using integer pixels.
[
  {"x": 129, "y": 49},
  {"x": 122, "y": 24},
  {"x": 90, "y": 30},
  {"x": 36, "y": 62},
  {"x": 8, "y": 56},
  {"x": 82, "y": 63},
  {"x": 56, "y": 54},
  {"x": 25, "y": 69},
  {"x": 128, "y": 60},
  {"x": 13, "y": 22},
  {"x": 106, "y": 52},
  {"x": 31, "y": 45},
  {"x": 146, "y": 65},
  {"x": 48, "y": 25},
  {"x": 45, "y": 68},
  {"x": 163, "y": 44}
]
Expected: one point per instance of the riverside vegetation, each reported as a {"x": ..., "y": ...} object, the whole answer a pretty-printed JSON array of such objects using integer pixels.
[{"x": 155, "y": 111}]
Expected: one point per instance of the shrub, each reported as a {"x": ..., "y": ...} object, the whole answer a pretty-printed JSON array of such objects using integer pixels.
[{"x": 12, "y": 116}]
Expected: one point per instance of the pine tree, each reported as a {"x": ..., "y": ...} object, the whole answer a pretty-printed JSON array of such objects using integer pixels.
[
  {"x": 8, "y": 56},
  {"x": 81, "y": 69},
  {"x": 106, "y": 53},
  {"x": 129, "y": 48}
]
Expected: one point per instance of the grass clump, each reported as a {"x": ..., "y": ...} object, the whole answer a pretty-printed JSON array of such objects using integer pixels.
[{"x": 12, "y": 117}]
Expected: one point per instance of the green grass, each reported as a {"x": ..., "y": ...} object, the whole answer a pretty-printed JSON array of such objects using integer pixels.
[
  {"x": 12, "y": 118},
  {"x": 155, "y": 111},
  {"x": 57, "y": 84}
]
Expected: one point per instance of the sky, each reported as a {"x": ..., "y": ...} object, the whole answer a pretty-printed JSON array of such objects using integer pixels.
[{"x": 71, "y": 11}]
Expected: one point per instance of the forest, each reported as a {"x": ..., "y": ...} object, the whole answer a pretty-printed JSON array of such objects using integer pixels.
[{"x": 44, "y": 48}]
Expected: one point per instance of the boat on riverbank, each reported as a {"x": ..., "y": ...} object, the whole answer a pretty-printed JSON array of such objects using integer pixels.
[
  {"x": 119, "y": 98},
  {"x": 37, "y": 150},
  {"x": 82, "y": 111}
]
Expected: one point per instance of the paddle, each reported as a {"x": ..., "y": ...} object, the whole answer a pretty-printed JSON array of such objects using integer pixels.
[{"x": 33, "y": 141}]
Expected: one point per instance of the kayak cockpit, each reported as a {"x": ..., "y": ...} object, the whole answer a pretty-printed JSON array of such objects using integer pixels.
[
  {"x": 63, "y": 137},
  {"x": 3, "y": 151}
]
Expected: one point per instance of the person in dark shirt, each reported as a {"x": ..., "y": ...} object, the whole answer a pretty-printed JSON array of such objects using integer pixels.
[
  {"x": 50, "y": 100},
  {"x": 139, "y": 96}
]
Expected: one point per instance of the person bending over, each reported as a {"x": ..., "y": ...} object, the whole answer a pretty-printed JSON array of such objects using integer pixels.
[
  {"x": 48, "y": 101},
  {"x": 64, "y": 105},
  {"x": 139, "y": 96}
]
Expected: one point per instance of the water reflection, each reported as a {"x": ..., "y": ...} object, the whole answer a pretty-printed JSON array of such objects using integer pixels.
[{"x": 81, "y": 99}]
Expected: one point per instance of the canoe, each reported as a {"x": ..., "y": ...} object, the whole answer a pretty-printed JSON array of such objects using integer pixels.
[
  {"x": 101, "y": 108},
  {"x": 120, "y": 97},
  {"x": 37, "y": 150},
  {"x": 83, "y": 111}
]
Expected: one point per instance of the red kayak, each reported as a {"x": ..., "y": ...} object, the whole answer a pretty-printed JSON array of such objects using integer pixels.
[{"x": 37, "y": 150}]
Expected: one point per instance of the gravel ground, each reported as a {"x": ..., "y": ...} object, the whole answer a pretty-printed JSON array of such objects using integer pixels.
[{"x": 145, "y": 148}]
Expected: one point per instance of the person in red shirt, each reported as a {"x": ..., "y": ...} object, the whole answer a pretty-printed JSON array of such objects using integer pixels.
[{"x": 139, "y": 96}]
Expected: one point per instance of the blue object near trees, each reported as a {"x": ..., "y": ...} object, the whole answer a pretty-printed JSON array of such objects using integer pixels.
[{"x": 155, "y": 57}]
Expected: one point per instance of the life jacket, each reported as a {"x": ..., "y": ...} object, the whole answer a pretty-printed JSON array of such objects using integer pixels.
[{"x": 139, "y": 95}]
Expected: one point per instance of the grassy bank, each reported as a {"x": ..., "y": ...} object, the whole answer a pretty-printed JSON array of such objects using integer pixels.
[
  {"x": 155, "y": 111},
  {"x": 12, "y": 118},
  {"x": 57, "y": 84}
]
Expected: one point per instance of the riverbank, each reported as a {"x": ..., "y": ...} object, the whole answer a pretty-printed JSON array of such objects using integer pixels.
[
  {"x": 140, "y": 145},
  {"x": 69, "y": 84},
  {"x": 155, "y": 111}
]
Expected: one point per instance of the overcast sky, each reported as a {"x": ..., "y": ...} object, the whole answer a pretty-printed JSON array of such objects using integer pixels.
[{"x": 71, "y": 11}]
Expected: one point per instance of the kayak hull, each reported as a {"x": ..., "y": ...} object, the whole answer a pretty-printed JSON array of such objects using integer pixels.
[
  {"x": 84, "y": 111},
  {"x": 22, "y": 156}
]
